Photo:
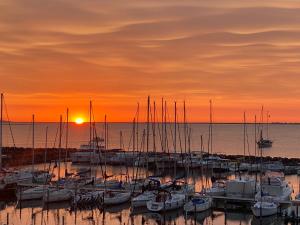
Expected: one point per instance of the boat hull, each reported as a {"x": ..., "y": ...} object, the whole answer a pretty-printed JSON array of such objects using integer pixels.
[
  {"x": 264, "y": 209},
  {"x": 119, "y": 198},
  {"x": 57, "y": 196},
  {"x": 175, "y": 202},
  {"x": 192, "y": 207},
  {"x": 142, "y": 199}
]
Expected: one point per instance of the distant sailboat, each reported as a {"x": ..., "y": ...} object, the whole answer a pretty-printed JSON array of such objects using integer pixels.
[{"x": 265, "y": 142}]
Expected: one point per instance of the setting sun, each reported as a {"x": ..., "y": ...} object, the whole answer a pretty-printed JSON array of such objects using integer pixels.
[{"x": 79, "y": 121}]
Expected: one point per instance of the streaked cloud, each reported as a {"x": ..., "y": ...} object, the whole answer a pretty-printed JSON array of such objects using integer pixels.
[{"x": 64, "y": 52}]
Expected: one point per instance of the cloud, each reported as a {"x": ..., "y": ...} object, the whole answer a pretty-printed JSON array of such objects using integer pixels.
[{"x": 242, "y": 50}]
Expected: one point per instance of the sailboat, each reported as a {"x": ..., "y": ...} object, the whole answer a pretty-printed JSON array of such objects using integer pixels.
[
  {"x": 58, "y": 194},
  {"x": 272, "y": 190},
  {"x": 265, "y": 142},
  {"x": 172, "y": 196},
  {"x": 200, "y": 201},
  {"x": 265, "y": 207},
  {"x": 142, "y": 199},
  {"x": 110, "y": 197},
  {"x": 150, "y": 184},
  {"x": 244, "y": 187},
  {"x": 115, "y": 197},
  {"x": 90, "y": 153},
  {"x": 38, "y": 192},
  {"x": 32, "y": 193},
  {"x": 11, "y": 178},
  {"x": 165, "y": 200},
  {"x": 84, "y": 199}
]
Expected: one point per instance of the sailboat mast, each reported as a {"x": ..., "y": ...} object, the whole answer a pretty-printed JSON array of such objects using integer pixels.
[
  {"x": 105, "y": 133},
  {"x": 133, "y": 135},
  {"x": 67, "y": 134},
  {"x": 162, "y": 124},
  {"x": 201, "y": 154},
  {"x": 185, "y": 128},
  {"x": 90, "y": 125},
  {"x": 175, "y": 127},
  {"x": 59, "y": 145},
  {"x": 32, "y": 142},
  {"x": 255, "y": 138},
  {"x": 148, "y": 124},
  {"x": 46, "y": 148},
  {"x": 267, "y": 124},
  {"x": 175, "y": 135},
  {"x": 166, "y": 136},
  {"x": 211, "y": 130},
  {"x": 262, "y": 120},
  {"x": 105, "y": 127},
  {"x": 1, "y": 130},
  {"x": 154, "y": 127},
  {"x": 137, "y": 126},
  {"x": 244, "y": 134}
]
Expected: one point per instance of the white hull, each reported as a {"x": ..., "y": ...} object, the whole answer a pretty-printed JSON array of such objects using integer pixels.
[
  {"x": 32, "y": 193},
  {"x": 215, "y": 191},
  {"x": 116, "y": 198},
  {"x": 57, "y": 195},
  {"x": 198, "y": 206},
  {"x": 142, "y": 199},
  {"x": 112, "y": 184},
  {"x": 175, "y": 202},
  {"x": 264, "y": 209}
]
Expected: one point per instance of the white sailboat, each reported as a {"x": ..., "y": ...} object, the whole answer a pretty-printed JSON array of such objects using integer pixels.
[
  {"x": 218, "y": 188},
  {"x": 32, "y": 193},
  {"x": 115, "y": 198},
  {"x": 265, "y": 207},
  {"x": 151, "y": 185},
  {"x": 142, "y": 199},
  {"x": 198, "y": 203},
  {"x": 165, "y": 201},
  {"x": 272, "y": 189},
  {"x": 57, "y": 195}
]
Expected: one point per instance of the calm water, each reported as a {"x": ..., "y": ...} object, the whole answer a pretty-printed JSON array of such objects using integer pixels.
[
  {"x": 227, "y": 138},
  {"x": 33, "y": 212}
]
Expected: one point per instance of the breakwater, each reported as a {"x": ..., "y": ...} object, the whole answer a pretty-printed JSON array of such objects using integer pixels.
[
  {"x": 23, "y": 156},
  {"x": 16, "y": 156}
]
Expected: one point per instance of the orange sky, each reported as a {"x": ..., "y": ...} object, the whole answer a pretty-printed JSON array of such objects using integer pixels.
[{"x": 62, "y": 53}]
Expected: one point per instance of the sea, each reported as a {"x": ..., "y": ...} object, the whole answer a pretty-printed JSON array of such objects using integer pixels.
[{"x": 226, "y": 138}]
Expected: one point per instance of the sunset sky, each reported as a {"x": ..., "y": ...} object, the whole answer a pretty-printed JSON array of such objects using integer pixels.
[{"x": 241, "y": 54}]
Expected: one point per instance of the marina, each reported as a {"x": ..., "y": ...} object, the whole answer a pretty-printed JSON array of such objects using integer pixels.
[
  {"x": 223, "y": 206},
  {"x": 172, "y": 182}
]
